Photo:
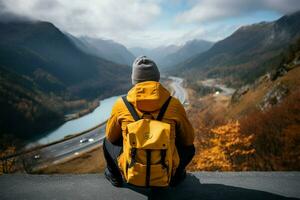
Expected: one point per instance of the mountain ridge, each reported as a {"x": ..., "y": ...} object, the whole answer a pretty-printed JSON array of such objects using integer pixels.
[
  {"x": 188, "y": 50},
  {"x": 105, "y": 49},
  {"x": 170, "y": 55},
  {"x": 232, "y": 57}
]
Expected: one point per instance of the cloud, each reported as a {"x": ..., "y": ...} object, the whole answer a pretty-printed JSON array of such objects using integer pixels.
[
  {"x": 155, "y": 38},
  {"x": 98, "y": 18},
  {"x": 203, "y": 11},
  {"x": 283, "y": 7},
  {"x": 6, "y": 16},
  {"x": 145, "y": 23}
]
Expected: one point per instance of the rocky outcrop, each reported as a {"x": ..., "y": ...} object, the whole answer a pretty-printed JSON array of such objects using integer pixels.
[
  {"x": 239, "y": 93},
  {"x": 283, "y": 69},
  {"x": 274, "y": 96}
]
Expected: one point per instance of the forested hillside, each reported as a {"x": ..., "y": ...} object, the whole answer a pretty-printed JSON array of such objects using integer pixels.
[{"x": 44, "y": 75}]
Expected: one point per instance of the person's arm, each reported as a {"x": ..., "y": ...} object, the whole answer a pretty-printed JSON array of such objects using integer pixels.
[
  {"x": 184, "y": 130},
  {"x": 113, "y": 126},
  {"x": 184, "y": 139}
]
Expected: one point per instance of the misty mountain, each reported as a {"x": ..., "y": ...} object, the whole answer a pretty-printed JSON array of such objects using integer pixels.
[
  {"x": 188, "y": 50},
  {"x": 106, "y": 49},
  {"x": 246, "y": 54},
  {"x": 169, "y": 56},
  {"x": 157, "y": 54}
]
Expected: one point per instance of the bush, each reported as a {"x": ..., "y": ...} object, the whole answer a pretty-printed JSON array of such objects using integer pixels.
[{"x": 276, "y": 134}]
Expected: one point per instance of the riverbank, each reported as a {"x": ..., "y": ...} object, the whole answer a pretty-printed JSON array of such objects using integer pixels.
[{"x": 76, "y": 113}]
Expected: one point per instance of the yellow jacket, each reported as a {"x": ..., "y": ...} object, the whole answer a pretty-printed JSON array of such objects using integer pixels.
[{"x": 149, "y": 96}]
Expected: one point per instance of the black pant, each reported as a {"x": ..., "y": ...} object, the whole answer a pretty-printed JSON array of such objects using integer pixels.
[{"x": 112, "y": 151}]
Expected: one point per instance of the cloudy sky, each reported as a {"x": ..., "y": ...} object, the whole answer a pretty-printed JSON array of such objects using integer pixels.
[{"x": 151, "y": 23}]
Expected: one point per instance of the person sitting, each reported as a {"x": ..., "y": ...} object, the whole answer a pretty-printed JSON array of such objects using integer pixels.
[{"x": 149, "y": 139}]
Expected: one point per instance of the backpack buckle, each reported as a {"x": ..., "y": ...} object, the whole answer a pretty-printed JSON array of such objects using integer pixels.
[{"x": 147, "y": 115}]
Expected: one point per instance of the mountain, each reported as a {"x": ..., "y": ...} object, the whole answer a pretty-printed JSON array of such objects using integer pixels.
[
  {"x": 157, "y": 54},
  {"x": 43, "y": 72},
  {"x": 106, "y": 49},
  {"x": 245, "y": 55},
  {"x": 168, "y": 56},
  {"x": 188, "y": 50},
  {"x": 42, "y": 52}
]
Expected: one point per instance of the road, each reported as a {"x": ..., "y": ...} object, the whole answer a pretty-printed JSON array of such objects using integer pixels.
[
  {"x": 177, "y": 89},
  {"x": 199, "y": 185},
  {"x": 73, "y": 147}
]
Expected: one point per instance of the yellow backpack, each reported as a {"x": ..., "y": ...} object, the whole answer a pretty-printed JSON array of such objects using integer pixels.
[{"x": 149, "y": 155}]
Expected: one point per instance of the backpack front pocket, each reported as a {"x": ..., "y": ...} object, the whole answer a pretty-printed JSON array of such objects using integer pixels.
[{"x": 158, "y": 175}]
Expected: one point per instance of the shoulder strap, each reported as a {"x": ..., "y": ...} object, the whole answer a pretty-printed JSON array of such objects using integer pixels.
[
  {"x": 163, "y": 109},
  {"x": 131, "y": 109}
]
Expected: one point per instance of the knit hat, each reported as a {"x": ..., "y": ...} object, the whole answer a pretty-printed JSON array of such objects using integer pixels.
[{"x": 144, "y": 69}]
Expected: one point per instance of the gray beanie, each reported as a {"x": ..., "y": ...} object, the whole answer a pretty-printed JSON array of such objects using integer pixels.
[{"x": 144, "y": 69}]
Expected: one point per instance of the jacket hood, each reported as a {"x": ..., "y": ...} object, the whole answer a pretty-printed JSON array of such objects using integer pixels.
[{"x": 148, "y": 96}]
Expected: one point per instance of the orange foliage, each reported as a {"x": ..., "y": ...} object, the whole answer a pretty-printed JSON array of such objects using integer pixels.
[
  {"x": 268, "y": 140},
  {"x": 276, "y": 134},
  {"x": 228, "y": 150}
]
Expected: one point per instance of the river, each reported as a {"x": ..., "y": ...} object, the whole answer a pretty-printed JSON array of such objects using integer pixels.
[{"x": 98, "y": 116}]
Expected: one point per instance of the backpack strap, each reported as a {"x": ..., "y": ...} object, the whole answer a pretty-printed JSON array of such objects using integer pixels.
[
  {"x": 131, "y": 109},
  {"x": 163, "y": 153},
  {"x": 148, "y": 167},
  {"x": 163, "y": 109},
  {"x": 133, "y": 157}
]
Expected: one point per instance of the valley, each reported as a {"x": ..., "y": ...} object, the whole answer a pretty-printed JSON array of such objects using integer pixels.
[
  {"x": 231, "y": 130},
  {"x": 242, "y": 93}
]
